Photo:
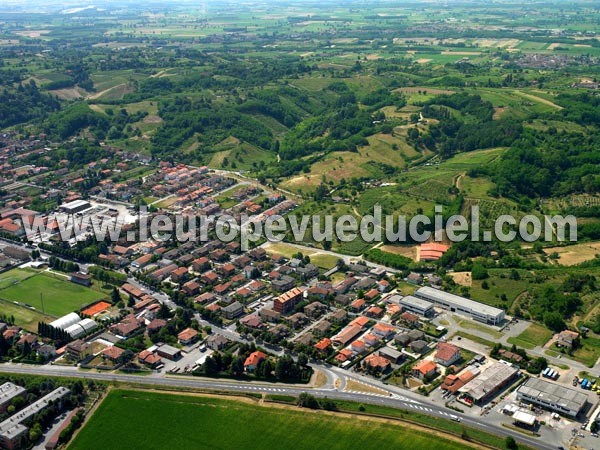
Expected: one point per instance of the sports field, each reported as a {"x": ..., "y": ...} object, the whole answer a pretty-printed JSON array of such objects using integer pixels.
[
  {"x": 59, "y": 295},
  {"x": 136, "y": 419}
]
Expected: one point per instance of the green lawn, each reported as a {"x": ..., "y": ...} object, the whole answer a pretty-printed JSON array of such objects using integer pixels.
[
  {"x": 24, "y": 317},
  {"x": 14, "y": 277},
  {"x": 588, "y": 352},
  {"x": 472, "y": 325},
  {"x": 534, "y": 335},
  {"x": 59, "y": 295},
  {"x": 135, "y": 419}
]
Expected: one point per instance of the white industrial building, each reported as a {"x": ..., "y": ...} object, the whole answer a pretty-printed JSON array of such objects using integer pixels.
[
  {"x": 75, "y": 206},
  {"x": 554, "y": 397},
  {"x": 417, "y": 305},
  {"x": 460, "y": 305}
]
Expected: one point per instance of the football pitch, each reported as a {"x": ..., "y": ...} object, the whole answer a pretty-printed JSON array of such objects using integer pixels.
[{"x": 52, "y": 296}]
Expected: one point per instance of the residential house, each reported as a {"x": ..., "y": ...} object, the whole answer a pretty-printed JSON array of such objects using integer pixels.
[
  {"x": 113, "y": 354},
  {"x": 358, "y": 347},
  {"x": 252, "y": 321},
  {"x": 127, "y": 327},
  {"x": 155, "y": 325},
  {"x": 358, "y": 305},
  {"x": 298, "y": 320},
  {"x": 376, "y": 363},
  {"x": 384, "y": 331},
  {"x": 447, "y": 354},
  {"x": 315, "y": 309},
  {"x": 149, "y": 359},
  {"x": 269, "y": 315},
  {"x": 567, "y": 339},
  {"x": 187, "y": 336},
  {"x": 200, "y": 264},
  {"x": 374, "y": 312},
  {"x": 323, "y": 346},
  {"x": 253, "y": 360},
  {"x": 424, "y": 370},
  {"x": 283, "y": 283},
  {"x": 232, "y": 311},
  {"x": 419, "y": 347},
  {"x": 217, "y": 342},
  {"x": 322, "y": 328},
  {"x": 191, "y": 287},
  {"x": 371, "y": 339}
]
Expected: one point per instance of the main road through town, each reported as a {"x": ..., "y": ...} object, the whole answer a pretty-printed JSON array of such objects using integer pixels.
[{"x": 395, "y": 400}]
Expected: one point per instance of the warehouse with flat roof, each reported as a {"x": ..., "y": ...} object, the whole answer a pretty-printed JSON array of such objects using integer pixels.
[
  {"x": 75, "y": 206},
  {"x": 491, "y": 382},
  {"x": 417, "y": 305},
  {"x": 555, "y": 397},
  {"x": 461, "y": 305}
]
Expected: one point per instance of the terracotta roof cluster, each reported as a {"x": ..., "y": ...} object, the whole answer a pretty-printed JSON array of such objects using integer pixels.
[{"x": 432, "y": 251}]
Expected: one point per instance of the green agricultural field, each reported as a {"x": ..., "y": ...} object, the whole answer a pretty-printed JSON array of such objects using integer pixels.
[
  {"x": 534, "y": 336},
  {"x": 60, "y": 296},
  {"x": 159, "y": 421}
]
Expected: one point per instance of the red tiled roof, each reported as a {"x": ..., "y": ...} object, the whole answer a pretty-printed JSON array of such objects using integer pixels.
[
  {"x": 113, "y": 352},
  {"x": 323, "y": 344},
  {"x": 445, "y": 351},
  {"x": 187, "y": 334},
  {"x": 254, "y": 358}
]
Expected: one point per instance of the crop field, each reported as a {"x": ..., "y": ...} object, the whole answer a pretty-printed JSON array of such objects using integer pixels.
[
  {"x": 59, "y": 296},
  {"x": 575, "y": 254},
  {"x": 159, "y": 421}
]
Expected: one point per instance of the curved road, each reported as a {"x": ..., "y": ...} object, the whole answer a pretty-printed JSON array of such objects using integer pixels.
[{"x": 398, "y": 401}]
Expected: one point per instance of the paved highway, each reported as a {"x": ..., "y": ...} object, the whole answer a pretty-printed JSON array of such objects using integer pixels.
[{"x": 183, "y": 383}]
